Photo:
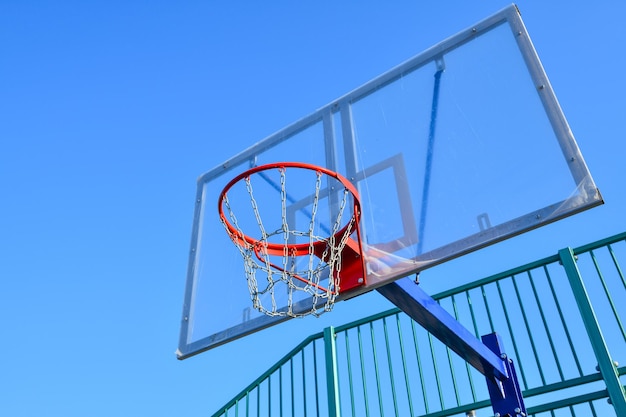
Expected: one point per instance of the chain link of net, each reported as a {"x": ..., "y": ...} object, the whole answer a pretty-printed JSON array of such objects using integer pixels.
[{"x": 286, "y": 278}]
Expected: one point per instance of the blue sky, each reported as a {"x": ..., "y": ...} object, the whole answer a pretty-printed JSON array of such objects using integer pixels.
[{"x": 109, "y": 111}]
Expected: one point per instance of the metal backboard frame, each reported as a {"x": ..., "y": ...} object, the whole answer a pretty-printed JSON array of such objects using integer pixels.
[{"x": 460, "y": 147}]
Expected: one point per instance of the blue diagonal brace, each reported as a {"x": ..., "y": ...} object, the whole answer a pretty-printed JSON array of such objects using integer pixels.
[{"x": 421, "y": 307}]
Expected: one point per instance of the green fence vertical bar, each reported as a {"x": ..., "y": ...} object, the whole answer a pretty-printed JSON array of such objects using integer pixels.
[
  {"x": 608, "y": 371},
  {"x": 332, "y": 382}
]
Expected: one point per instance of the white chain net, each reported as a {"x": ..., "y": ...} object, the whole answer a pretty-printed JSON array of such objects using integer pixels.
[{"x": 286, "y": 284}]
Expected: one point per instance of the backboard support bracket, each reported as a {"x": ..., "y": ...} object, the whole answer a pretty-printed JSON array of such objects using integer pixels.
[{"x": 485, "y": 356}]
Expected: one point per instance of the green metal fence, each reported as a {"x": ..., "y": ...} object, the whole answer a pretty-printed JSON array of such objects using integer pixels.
[{"x": 560, "y": 319}]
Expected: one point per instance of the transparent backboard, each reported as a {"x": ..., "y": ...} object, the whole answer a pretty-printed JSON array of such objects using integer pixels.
[{"x": 459, "y": 147}]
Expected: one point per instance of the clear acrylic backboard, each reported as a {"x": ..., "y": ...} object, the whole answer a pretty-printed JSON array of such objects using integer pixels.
[{"x": 459, "y": 147}]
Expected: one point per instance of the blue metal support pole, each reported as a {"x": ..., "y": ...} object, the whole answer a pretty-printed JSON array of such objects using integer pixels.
[
  {"x": 506, "y": 395},
  {"x": 487, "y": 357},
  {"x": 410, "y": 298}
]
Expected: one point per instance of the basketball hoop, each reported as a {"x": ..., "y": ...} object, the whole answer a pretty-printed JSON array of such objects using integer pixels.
[{"x": 310, "y": 265}]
